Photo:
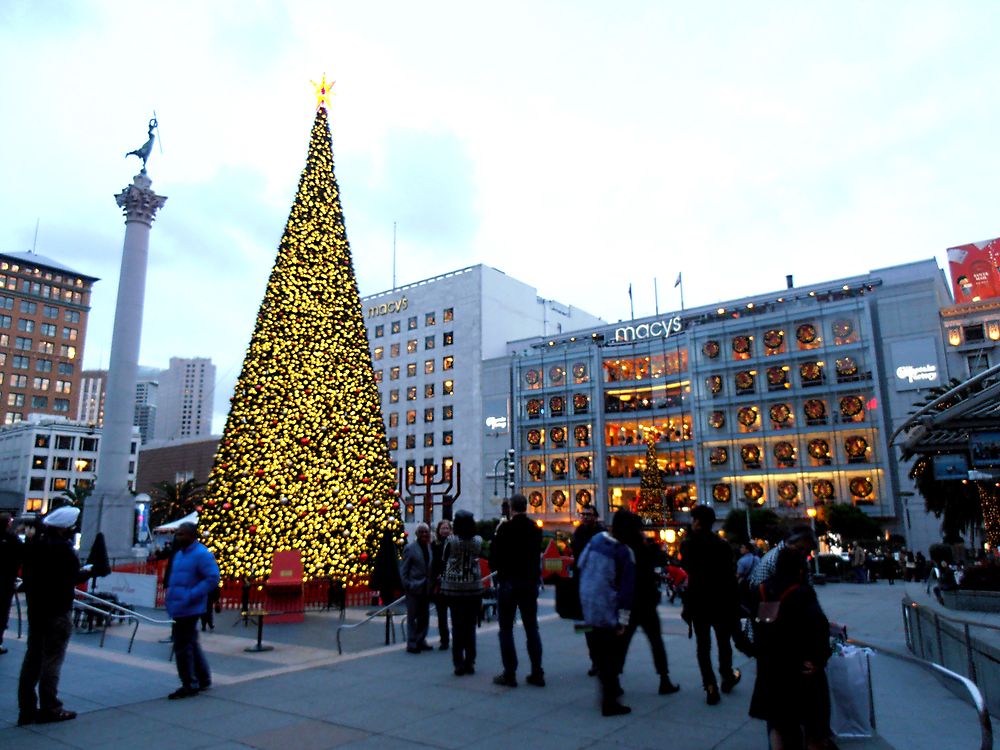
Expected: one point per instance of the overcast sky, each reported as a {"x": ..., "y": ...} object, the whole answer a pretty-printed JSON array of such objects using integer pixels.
[{"x": 577, "y": 146}]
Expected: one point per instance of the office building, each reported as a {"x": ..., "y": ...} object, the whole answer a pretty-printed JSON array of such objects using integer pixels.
[{"x": 185, "y": 396}]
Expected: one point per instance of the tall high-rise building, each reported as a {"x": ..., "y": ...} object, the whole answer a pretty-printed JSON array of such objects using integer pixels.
[
  {"x": 185, "y": 396},
  {"x": 90, "y": 407},
  {"x": 146, "y": 398},
  {"x": 43, "y": 323}
]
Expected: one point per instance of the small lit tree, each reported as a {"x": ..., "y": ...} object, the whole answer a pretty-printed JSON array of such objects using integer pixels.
[{"x": 651, "y": 505}]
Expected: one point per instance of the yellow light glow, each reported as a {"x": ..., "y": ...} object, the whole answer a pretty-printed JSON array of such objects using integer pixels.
[
  {"x": 954, "y": 336},
  {"x": 811, "y": 512},
  {"x": 669, "y": 536}
]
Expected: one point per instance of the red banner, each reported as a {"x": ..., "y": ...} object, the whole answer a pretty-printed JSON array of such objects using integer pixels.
[{"x": 974, "y": 271}]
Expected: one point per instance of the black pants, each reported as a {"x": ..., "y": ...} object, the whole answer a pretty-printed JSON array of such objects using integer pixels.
[
  {"x": 649, "y": 621},
  {"x": 464, "y": 618},
  {"x": 441, "y": 604},
  {"x": 192, "y": 667},
  {"x": 608, "y": 651},
  {"x": 511, "y": 597},
  {"x": 48, "y": 638},
  {"x": 6, "y": 597},
  {"x": 418, "y": 615},
  {"x": 703, "y": 628}
]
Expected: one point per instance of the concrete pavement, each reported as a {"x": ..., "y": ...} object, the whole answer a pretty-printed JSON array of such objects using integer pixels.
[{"x": 304, "y": 696}]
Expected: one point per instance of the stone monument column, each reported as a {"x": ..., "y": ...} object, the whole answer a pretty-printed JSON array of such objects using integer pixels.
[{"x": 111, "y": 508}]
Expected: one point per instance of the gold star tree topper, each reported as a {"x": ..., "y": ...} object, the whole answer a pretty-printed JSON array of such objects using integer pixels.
[{"x": 324, "y": 91}]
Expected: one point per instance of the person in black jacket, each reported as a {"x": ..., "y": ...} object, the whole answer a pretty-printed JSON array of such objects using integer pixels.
[
  {"x": 712, "y": 600},
  {"x": 51, "y": 572},
  {"x": 515, "y": 557},
  {"x": 10, "y": 564}
]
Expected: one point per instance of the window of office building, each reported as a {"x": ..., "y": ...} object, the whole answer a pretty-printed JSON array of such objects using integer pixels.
[
  {"x": 28, "y": 307},
  {"x": 393, "y": 373},
  {"x": 18, "y": 381},
  {"x": 411, "y": 370},
  {"x": 71, "y": 316},
  {"x": 411, "y": 442},
  {"x": 61, "y": 405},
  {"x": 59, "y": 484},
  {"x": 13, "y": 417},
  {"x": 63, "y": 386},
  {"x": 394, "y": 396},
  {"x": 69, "y": 352},
  {"x": 379, "y": 331},
  {"x": 65, "y": 368},
  {"x": 411, "y": 393},
  {"x": 23, "y": 343},
  {"x": 394, "y": 419},
  {"x": 51, "y": 312},
  {"x": 394, "y": 326},
  {"x": 60, "y": 463},
  {"x": 6, "y": 303},
  {"x": 36, "y": 484},
  {"x": 394, "y": 350},
  {"x": 447, "y": 362},
  {"x": 393, "y": 443},
  {"x": 28, "y": 326},
  {"x": 448, "y": 388},
  {"x": 428, "y": 342},
  {"x": 428, "y": 439},
  {"x": 447, "y": 437},
  {"x": 429, "y": 390},
  {"x": 411, "y": 323},
  {"x": 21, "y": 363},
  {"x": 5, "y": 321},
  {"x": 447, "y": 412},
  {"x": 377, "y": 353},
  {"x": 378, "y": 376},
  {"x": 43, "y": 365},
  {"x": 39, "y": 462},
  {"x": 429, "y": 319},
  {"x": 15, "y": 399},
  {"x": 448, "y": 338},
  {"x": 449, "y": 314},
  {"x": 411, "y": 346},
  {"x": 411, "y": 416},
  {"x": 88, "y": 445},
  {"x": 41, "y": 384},
  {"x": 48, "y": 329},
  {"x": 428, "y": 415},
  {"x": 428, "y": 366},
  {"x": 47, "y": 347}
]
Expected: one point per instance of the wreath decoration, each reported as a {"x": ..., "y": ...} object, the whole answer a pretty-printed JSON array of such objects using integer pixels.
[
  {"x": 822, "y": 489},
  {"x": 710, "y": 349},
  {"x": 788, "y": 491},
  {"x": 784, "y": 451},
  {"x": 810, "y": 372},
  {"x": 776, "y": 376},
  {"x": 819, "y": 448},
  {"x": 582, "y": 465},
  {"x": 717, "y": 420},
  {"x": 750, "y": 454},
  {"x": 773, "y": 339},
  {"x": 842, "y": 329},
  {"x": 856, "y": 446},
  {"x": 851, "y": 406},
  {"x": 806, "y": 333},
  {"x": 557, "y": 404},
  {"x": 581, "y": 434},
  {"x": 558, "y": 435},
  {"x": 556, "y": 375},
  {"x": 847, "y": 367},
  {"x": 741, "y": 344},
  {"x": 583, "y": 498},
  {"x": 532, "y": 377},
  {"x": 535, "y": 469},
  {"x": 718, "y": 456},
  {"x": 559, "y": 466},
  {"x": 780, "y": 413},
  {"x": 714, "y": 384},
  {"x": 747, "y": 416},
  {"x": 722, "y": 493},
  {"x": 558, "y": 498},
  {"x": 534, "y": 406},
  {"x": 861, "y": 487},
  {"x": 580, "y": 401},
  {"x": 579, "y": 370},
  {"x": 753, "y": 491},
  {"x": 535, "y": 499},
  {"x": 744, "y": 381},
  {"x": 814, "y": 409},
  {"x": 535, "y": 437}
]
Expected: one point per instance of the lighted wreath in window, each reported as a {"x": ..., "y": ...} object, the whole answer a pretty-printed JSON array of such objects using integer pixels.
[
  {"x": 558, "y": 467},
  {"x": 717, "y": 420},
  {"x": 851, "y": 406},
  {"x": 710, "y": 349},
  {"x": 777, "y": 376},
  {"x": 582, "y": 465},
  {"x": 847, "y": 367},
  {"x": 535, "y": 499},
  {"x": 583, "y": 498},
  {"x": 744, "y": 381},
  {"x": 722, "y": 493},
  {"x": 856, "y": 446},
  {"x": 557, "y": 404},
  {"x": 579, "y": 370},
  {"x": 718, "y": 456},
  {"x": 714, "y": 384},
  {"x": 535, "y": 470},
  {"x": 842, "y": 329},
  {"x": 788, "y": 492},
  {"x": 580, "y": 401},
  {"x": 534, "y": 407},
  {"x": 747, "y": 416},
  {"x": 773, "y": 339},
  {"x": 750, "y": 454},
  {"x": 558, "y": 498},
  {"x": 556, "y": 375},
  {"x": 534, "y": 437},
  {"x": 558, "y": 435},
  {"x": 533, "y": 377},
  {"x": 810, "y": 372},
  {"x": 861, "y": 487},
  {"x": 814, "y": 409},
  {"x": 582, "y": 435},
  {"x": 741, "y": 344},
  {"x": 753, "y": 491},
  {"x": 784, "y": 451},
  {"x": 819, "y": 449},
  {"x": 822, "y": 489},
  {"x": 806, "y": 333},
  {"x": 780, "y": 413}
]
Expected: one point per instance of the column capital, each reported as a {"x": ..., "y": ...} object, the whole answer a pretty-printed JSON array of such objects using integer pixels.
[{"x": 138, "y": 202}]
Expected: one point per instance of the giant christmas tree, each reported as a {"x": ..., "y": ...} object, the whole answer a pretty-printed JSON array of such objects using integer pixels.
[
  {"x": 303, "y": 462},
  {"x": 650, "y": 504}
]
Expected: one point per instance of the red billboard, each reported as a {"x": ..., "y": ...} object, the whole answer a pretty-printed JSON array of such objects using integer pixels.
[{"x": 974, "y": 271}]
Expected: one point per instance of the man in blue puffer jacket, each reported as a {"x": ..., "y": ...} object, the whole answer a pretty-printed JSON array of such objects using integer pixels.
[
  {"x": 607, "y": 582},
  {"x": 193, "y": 574}
]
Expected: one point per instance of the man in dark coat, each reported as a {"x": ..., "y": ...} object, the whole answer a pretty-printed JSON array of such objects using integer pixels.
[
  {"x": 415, "y": 572},
  {"x": 51, "y": 572},
  {"x": 516, "y": 558},
  {"x": 10, "y": 564},
  {"x": 712, "y": 600}
]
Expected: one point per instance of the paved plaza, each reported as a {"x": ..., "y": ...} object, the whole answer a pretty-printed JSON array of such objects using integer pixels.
[{"x": 303, "y": 696}]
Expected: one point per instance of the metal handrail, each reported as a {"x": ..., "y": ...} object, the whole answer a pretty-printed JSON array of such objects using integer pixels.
[
  {"x": 119, "y": 610},
  {"x": 985, "y": 723}
]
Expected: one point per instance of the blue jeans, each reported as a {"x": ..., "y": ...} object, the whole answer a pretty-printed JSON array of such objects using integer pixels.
[
  {"x": 192, "y": 667},
  {"x": 513, "y": 596}
]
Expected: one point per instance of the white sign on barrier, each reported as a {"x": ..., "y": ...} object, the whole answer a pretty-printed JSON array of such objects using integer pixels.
[{"x": 130, "y": 588}]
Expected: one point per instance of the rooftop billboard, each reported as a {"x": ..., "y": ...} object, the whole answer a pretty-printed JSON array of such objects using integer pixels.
[{"x": 974, "y": 271}]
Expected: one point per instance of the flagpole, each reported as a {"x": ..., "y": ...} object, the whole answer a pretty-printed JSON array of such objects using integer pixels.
[
  {"x": 656, "y": 297},
  {"x": 631, "y": 305},
  {"x": 680, "y": 283}
]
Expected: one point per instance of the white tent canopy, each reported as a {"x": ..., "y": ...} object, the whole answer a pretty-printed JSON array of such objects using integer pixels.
[{"x": 170, "y": 528}]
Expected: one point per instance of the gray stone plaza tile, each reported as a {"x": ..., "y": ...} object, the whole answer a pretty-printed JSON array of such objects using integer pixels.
[{"x": 304, "y": 735}]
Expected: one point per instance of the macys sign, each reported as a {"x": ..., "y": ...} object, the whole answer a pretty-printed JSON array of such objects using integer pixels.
[
  {"x": 657, "y": 329},
  {"x": 388, "y": 308},
  {"x": 921, "y": 373}
]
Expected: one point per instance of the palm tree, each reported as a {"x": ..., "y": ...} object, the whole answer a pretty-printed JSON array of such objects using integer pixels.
[
  {"x": 76, "y": 496},
  {"x": 173, "y": 500}
]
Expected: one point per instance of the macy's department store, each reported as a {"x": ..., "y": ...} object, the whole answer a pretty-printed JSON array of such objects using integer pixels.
[{"x": 784, "y": 400}]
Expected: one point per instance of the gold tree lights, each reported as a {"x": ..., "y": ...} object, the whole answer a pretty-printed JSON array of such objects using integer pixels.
[{"x": 303, "y": 462}]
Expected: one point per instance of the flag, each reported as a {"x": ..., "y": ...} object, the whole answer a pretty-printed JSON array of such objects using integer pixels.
[
  {"x": 629, "y": 292},
  {"x": 678, "y": 282}
]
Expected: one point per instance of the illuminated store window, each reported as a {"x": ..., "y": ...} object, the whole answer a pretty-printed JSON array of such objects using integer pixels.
[
  {"x": 393, "y": 373},
  {"x": 448, "y": 338},
  {"x": 428, "y": 366},
  {"x": 378, "y": 376},
  {"x": 379, "y": 331},
  {"x": 411, "y": 393},
  {"x": 429, "y": 319},
  {"x": 411, "y": 442},
  {"x": 447, "y": 412},
  {"x": 428, "y": 342},
  {"x": 428, "y": 415},
  {"x": 394, "y": 350},
  {"x": 393, "y": 443},
  {"x": 411, "y": 416},
  {"x": 449, "y": 314},
  {"x": 411, "y": 323},
  {"x": 428, "y": 439},
  {"x": 411, "y": 346},
  {"x": 394, "y": 419},
  {"x": 447, "y": 362},
  {"x": 394, "y": 326},
  {"x": 447, "y": 438},
  {"x": 429, "y": 390},
  {"x": 411, "y": 370},
  {"x": 448, "y": 387},
  {"x": 394, "y": 396}
]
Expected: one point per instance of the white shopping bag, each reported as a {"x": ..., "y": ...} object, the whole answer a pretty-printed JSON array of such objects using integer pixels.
[{"x": 852, "y": 710}]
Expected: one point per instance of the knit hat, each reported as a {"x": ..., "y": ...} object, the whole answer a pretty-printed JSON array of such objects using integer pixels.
[{"x": 62, "y": 518}]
